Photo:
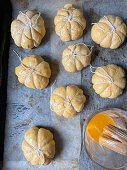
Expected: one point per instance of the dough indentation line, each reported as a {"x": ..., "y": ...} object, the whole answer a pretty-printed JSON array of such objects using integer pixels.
[
  {"x": 110, "y": 81},
  {"x": 113, "y": 29},
  {"x": 73, "y": 55}
]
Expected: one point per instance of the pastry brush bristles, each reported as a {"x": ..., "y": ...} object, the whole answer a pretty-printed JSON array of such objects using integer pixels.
[{"x": 114, "y": 138}]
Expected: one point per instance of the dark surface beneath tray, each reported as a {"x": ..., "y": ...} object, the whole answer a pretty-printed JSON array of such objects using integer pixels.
[{"x": 5, "y": 19}]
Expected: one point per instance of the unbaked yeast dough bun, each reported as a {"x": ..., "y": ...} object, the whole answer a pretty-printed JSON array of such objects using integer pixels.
[
  {"x": 28, "y": 29},
  {"x": 109, "y": 81},
  {"x": 109, "y": 32},
  {"x": 67, "y": 100},
  {"x": 38, "y": 146},
  {"x": 33, "y": 72},
  {"x": 69, "y": 23},
  {"x": 76, "y": 57}
]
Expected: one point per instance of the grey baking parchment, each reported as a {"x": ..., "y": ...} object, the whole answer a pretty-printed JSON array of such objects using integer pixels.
[
  {"x": 93, "y": 11},
  {"x": 27, "y": 107}
]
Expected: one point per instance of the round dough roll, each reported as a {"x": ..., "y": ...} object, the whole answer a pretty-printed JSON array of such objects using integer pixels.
[
  {"x": 69, "y": 23},
  {"x": 109, "y": 32},
  {"x": 38, "y": 146},
  {"x": 109, "y": 81},
  {"x": 28, "y": 29},
  {"x": 67, "y": 100},
  {"x": 76, "y": 57},
  {"x": 34, "y": 72}
]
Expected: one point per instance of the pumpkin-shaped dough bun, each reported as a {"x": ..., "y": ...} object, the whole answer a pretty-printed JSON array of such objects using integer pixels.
[
  {"x": 76, "y": 57},
  {"x": 33, "y": 72},
  {"x": 38, "y": 146},
  {"x": 69, "y": 23},
  {"x": 67, "y": 100},
  {"x": 109, "y": 32},
  {"x": 28, "y": 29},
  {"x": 109, "y": 81}
]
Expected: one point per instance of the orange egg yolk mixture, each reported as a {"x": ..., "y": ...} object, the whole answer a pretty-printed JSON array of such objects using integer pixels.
[{"x": 96, "y": 125}]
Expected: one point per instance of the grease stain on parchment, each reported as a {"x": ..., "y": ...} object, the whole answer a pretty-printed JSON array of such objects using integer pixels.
[
  {"x": 24, "y": 4},
  {"x": 60, "y": 43},
  {"x": 16, "y": 147},
  {"x": 104, "y": 59},
  {"x": 25, "y": 122},
  {"x": 39, "y": 110},
  {"x": 30, "y": 102},
  {"x": 125, "y": 54},
  {"x": 16, "y": 84},
  {"x": 60, "y": 119}
]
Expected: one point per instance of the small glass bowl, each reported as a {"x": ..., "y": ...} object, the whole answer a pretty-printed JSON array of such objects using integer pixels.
[{"x": 99, "y": 154}]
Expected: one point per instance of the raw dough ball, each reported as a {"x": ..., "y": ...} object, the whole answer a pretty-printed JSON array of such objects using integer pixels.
[
  {"x": 38, "y": 146},
  {"x": 67, "y": 101},
  {"x": 28, "y": 29},
  {"x": 109, "y": 32},
  {"x": 109, "y": 81},
  {"x": 33, "y": 72},
  {"x": 69, "y": 23},
  {"x": 76, "y": 57}
]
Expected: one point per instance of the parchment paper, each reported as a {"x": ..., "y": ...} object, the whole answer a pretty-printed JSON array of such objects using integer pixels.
[
  {"x": 28, "y": 107},
  {"x": 93, "y": 11}
]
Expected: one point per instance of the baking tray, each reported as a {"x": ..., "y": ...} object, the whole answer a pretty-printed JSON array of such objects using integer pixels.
[{"x": 27, "y": 107}]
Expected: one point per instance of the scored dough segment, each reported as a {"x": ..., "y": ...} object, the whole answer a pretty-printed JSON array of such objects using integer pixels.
[
  {"x": 69, "y": 23},
  {"x": 76, "y": 57},
  {"x": 38, "y": 146},
  {"x": 73, "y": 54},
  {"x": 67, "y": 101},
  {"x": 28, "y": 29},
  {"x": 29, "y": 69},
  {"x": 29, "y": 21},
  {"x": 33, "y": 72},
  {"x": 108, "y": 81},
  {"x": 109, "y": 32}
]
